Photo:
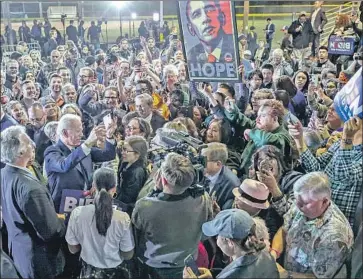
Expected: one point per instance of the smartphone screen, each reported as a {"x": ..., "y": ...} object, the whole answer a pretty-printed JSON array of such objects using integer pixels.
[
  {"x": 316, "y": 80},
  {"x": 265, "y": 165},
  {"x": 107, "y": 120},
  {"x": 190, "y": 262}
]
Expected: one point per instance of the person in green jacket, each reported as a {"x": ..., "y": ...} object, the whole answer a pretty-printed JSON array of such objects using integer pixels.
[{"x": 267, "y": 129}]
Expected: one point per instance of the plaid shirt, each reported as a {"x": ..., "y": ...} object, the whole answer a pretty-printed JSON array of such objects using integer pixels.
[{"x": 344, "y": 168}]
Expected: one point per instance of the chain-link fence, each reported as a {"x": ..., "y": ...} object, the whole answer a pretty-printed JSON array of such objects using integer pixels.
[{"x": 119, "y": 18}]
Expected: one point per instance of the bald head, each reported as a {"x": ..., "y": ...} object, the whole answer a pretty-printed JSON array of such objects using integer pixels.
[{"x": 55, "y": 57}]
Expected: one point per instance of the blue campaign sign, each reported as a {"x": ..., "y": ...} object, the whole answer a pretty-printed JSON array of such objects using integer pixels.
[
  {"x": 348, "y": 102},
  {"x": 73, "y": 198},
  {"x": 341, "y": 45}
]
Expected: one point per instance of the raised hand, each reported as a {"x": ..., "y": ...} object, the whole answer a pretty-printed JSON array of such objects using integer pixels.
[
  {"x": 351, "y": 127},
  {"x": 296, "y": 131}
]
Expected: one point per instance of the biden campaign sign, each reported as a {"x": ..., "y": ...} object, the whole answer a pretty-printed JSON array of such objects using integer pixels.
[
  {"x": 341, "y": 45},
  {"x": 348, "y": 101}
]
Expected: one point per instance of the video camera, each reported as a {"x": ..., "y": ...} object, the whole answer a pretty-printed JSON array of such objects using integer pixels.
[
  {"x": 63, "y": 18},
  {"x": 183, "y": 144}
]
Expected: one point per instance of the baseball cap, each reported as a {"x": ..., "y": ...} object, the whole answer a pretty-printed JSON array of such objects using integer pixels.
[
  {"x": 229, "y": 223},
  {"x": 89, "y": 61},
  {"x": 284, "y": 28},
  {"x": 253, "y": 193},
  {"x": 303, "y": 13}
]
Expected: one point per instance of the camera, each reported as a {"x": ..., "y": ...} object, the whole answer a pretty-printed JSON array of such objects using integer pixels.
[
  {"x": 183, "y": 144},
  {"x": 63, "y": 18}
]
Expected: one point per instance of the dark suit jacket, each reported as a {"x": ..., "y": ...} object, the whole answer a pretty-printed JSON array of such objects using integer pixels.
[
  {"x": 197, "y": 53},
  {"x": 72, "y": 170},
  {"x": 71, "y": 32},
  {"x": 34, "y": 230},
  {"x": 302, "y": 38},
  {"x": 271, "y": 31},
  {"x": 157, "y": 121},
  {"x": 320, "y": 20},
  {"x": 223, "y": 187},
  {"x": 42, "y": 142}
]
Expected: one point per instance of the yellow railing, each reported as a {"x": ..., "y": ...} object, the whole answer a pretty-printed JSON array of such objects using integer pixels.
[{"x": 331, "y": 15}]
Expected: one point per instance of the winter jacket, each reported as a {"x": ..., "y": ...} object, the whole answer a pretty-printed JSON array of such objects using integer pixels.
[
  {"x": 302, "y": 38},
  {"x": 258, "y": 138}
]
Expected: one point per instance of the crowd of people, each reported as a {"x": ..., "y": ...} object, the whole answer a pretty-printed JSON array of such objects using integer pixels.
[{"x": 256, "y": 179}]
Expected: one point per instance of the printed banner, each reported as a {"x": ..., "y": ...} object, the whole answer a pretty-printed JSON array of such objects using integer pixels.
[
  {"x": 341, "y": 45},
  {"x": 209, "y": 40},
  {"x": 73, "y": 198},
  {"x": 348, "y": 101}
]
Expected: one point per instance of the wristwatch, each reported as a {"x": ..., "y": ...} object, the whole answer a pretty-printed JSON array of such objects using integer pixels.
[{"x": 347, "y": 141}]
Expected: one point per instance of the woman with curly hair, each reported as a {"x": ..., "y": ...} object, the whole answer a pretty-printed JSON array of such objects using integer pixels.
[{"x": 343, "y": 28}]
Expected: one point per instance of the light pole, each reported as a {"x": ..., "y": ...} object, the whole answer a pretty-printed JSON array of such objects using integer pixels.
[
  {"x": 119, "y": 5},
  {"x": 120, "y": 24},
  {"x": 133, "y": 16},
  {"x": 156, "y": 18}
]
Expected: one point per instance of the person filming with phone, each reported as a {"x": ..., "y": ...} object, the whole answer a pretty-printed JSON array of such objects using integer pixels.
[
  {"x": 69, "y": 163},
  {"x": 268, "y": 128}
]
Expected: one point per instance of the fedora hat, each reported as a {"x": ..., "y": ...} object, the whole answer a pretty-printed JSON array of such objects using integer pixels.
[{"x": 253, "y": 193}]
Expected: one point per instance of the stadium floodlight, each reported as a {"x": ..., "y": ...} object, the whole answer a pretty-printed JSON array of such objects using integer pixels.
[
  {"x": 156, "y": 16},
  {"x": 119, "y": 4},
  {"x": 133, "y": 15}
]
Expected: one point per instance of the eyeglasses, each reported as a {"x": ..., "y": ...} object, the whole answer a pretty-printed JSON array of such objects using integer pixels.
[
  {"x": 132, "y": 128},
  {"x": 124, "y": 149},
  {"x": 110, "y": 97}
]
